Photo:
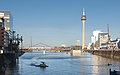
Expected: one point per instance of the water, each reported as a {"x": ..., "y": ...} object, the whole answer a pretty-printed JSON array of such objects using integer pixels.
[{"x": 62, "y": 64}]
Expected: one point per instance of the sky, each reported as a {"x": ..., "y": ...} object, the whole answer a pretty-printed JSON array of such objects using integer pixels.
[{"x": 56, "y": 22}]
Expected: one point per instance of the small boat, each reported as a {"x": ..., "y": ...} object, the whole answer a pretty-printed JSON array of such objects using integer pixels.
[
  {"x": 44, "y": 52},
  {"x": 43, "y": 65},
  {"x": 114, "y": 72}
]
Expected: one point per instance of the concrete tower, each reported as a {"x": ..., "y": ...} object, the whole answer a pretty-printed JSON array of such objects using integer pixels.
[{"x": 83, "y": 19}]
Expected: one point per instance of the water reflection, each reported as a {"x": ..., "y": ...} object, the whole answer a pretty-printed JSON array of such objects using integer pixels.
[
  {"x": 13, "y": 68},
  {"x": 62, "y": 64},
  {"x": 42, "y": 68},
  {"x": 102, "y": 65}
]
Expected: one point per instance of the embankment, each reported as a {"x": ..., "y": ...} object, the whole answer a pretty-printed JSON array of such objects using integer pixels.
[{"x": 114, "y": 54}]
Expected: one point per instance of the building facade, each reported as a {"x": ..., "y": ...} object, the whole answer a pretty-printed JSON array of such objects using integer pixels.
[
  {"x": 1, "y": 33},
  {"x": 103, "y": 40},
  {"x": 7, "y": 20},
  {"x": 99, "y": 40},
  {"x": 5, "y": 29}
]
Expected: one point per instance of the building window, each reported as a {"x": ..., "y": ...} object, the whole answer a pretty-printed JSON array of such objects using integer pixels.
[{"x": 8, "y": 20}]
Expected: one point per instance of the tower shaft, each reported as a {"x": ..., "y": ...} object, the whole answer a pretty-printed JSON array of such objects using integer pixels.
[
  {"x": 83, "y": 19},
  {"x": 83, "y": 35}
]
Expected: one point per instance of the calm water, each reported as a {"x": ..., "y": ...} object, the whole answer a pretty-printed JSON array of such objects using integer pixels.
[{"x": 62, "y": 64}]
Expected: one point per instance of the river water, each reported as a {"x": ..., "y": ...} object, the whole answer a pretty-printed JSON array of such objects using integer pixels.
[{"x": 62, "y": 64}]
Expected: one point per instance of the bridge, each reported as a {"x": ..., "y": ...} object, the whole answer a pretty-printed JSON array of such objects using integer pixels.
[
  {"x": 42, "y": 46},
  {"x": 39, "y": 46}
]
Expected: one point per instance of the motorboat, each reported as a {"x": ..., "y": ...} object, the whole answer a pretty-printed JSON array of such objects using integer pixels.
[{"x": 43, "y": 65}]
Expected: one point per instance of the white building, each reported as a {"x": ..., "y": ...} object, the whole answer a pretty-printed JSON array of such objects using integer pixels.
[
  {"x": 89, "y": 46},
  {"x": 99, "y": 39},
  {"x": 94, "y": 38},
  {"x": 114, "y": 44}
]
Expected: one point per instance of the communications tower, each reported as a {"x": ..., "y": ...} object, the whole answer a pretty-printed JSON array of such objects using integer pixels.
[{"x": 83, "y": 19}]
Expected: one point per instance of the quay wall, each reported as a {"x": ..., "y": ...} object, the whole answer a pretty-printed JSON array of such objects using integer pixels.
[
  {"x": 114, "y": 54},
  {"x": 2, "y": 65}
]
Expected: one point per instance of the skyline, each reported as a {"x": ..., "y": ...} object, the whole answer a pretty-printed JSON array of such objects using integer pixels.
[{"x": 57, "y": 22}]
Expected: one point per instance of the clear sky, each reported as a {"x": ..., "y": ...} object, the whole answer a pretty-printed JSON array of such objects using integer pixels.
[{"x": 56, "y": 22}]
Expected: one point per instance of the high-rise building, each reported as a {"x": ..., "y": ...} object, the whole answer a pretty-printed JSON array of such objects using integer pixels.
[
  {"x": 83, "y": 19},
  {"x": 7, "y": 18},
  {"x": 1, "y": 33}
]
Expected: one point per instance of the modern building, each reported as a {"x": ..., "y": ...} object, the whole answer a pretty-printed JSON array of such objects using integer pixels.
[
  {"x": 99, "y": 40},
  {"x": 94, "y": 38},
  {"x": 7, "y": 20},
  {"x": 1, "y": 33},
  {"x": 114, "y": 44},
  {"x": 118, "y": 43},
  {"x": 4, "y": 29},
  {"x": 103, "y": 40}
]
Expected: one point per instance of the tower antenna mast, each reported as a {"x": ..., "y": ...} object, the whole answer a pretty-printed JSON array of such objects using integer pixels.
[{"x": 108, "y": 34}]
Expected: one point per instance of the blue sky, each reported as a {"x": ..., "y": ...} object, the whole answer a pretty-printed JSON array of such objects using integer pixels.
[{"x": 56, "y": 22}]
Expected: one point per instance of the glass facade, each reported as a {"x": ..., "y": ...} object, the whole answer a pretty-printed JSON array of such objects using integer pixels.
[{"x": 7, "y": 18}]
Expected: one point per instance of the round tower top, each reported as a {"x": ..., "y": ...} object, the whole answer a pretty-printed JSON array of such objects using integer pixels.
[{"x": 83, "y": 15}]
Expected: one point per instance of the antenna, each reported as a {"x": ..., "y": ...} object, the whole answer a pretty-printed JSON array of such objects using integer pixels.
[
  {"x": 108, "y": 32},
  {"x": 83, "y": 13},
  {"x": 108, "y": 29}
]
